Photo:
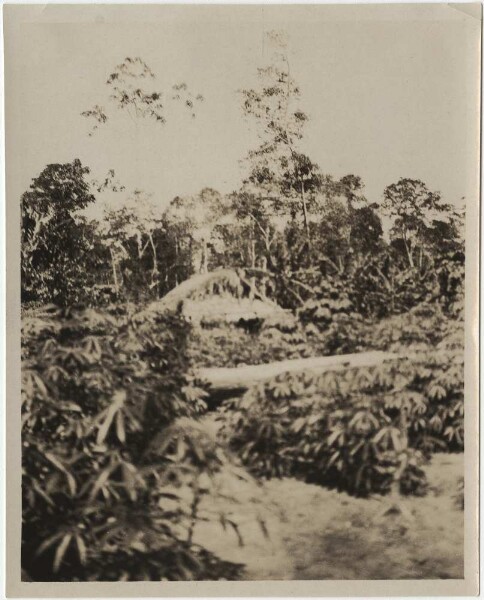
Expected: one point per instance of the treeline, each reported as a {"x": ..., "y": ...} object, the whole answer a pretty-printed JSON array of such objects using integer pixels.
[
  {"x": 131, "y": 253},
  {"x": 289, "y": 225}
]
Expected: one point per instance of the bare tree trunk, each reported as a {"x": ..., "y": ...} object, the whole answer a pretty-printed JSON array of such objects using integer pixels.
[
  {"x": 340, "y": 265},
  {"x": 234, "y": 381},
  {"x": 252, "y": 288},
  {"x": 267, "y": 258},
  {"x": 176, "y": 260},
  {"x": 197, "y": 258},
  {"x": 252, "y": 252},
  {"x": 115, "y": 274},
  {"x": 408, "y": 251},
  {"x": 204, "y": 262},
  {"x": 154, "y": 273},
  {"x": 305, "y": 214}
]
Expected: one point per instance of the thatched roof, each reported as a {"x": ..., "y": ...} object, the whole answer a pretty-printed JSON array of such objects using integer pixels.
[
  {"x": 219, "y": 296},
  {"x": 229, "y": 309}
]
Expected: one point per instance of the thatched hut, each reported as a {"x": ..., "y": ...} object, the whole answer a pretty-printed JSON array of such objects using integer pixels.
[{"x": 222, "y": 296}]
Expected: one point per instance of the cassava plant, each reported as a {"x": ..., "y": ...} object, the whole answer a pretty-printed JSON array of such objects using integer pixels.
[
  {"x": 114, "y": 468},
  {"x": 359, "y": 430}
]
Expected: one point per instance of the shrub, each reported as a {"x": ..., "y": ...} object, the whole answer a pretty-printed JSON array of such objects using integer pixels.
[
  {"x": 229, "y": 346},
  {"x": 383, "y": 286},
  {"x": 114, "y": 467},
  {"x": 422, "y": 328},
  {"x": 359, "y": 430},
  {"x": 345, "y": 334},
  {"x": 331, "y": 320},
  {"x": 329, "y": 298}
]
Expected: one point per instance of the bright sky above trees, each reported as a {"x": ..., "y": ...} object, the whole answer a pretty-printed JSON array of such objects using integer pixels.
[{"x": 406, "y": 111}]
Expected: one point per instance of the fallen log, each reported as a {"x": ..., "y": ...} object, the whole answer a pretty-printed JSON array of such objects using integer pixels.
[{"x": 231, "y": 382}]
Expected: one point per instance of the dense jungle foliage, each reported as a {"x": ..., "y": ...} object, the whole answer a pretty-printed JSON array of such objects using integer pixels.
[
  {"x": 115, "y": 462},
  {"x": 359, "y": 429}
]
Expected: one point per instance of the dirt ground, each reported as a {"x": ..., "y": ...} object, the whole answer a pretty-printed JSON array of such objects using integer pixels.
[{"x": 316, "y": 533}]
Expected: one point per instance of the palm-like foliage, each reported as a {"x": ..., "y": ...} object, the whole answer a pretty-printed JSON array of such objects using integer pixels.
[{"x": 111, "y": 471}]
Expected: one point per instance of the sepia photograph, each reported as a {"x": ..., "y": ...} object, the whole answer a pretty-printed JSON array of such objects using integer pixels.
[{"x": 242, "y": 267}]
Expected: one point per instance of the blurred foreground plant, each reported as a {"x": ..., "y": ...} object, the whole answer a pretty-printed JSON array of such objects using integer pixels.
[{"x": 114, "y": 465}]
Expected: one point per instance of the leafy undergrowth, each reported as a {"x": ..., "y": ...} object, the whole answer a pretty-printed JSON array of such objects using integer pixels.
[
  {"x": 232, "y": 345},
  {"x": 114, "y": 462},
  {"x": 360, "y": 430},
  {"x": 119, "y": 476}
]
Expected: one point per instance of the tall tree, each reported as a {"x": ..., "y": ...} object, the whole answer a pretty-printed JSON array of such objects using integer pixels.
[
  {"x": 414, "y": 211},
  {"x": 277, "y": 166},
  {"x": 56, "y": 240},
  {"x": 129, "y": 232},
  {"x": 194, "y": 220},
  {"x": 255, "y": 213},
  {"x": 351, "y": 187}
]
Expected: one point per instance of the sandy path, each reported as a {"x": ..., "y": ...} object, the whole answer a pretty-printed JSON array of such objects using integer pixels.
[{"x": 322, "y": 534}]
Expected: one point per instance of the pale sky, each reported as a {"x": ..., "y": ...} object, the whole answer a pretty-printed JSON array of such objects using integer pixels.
[{"x": 391, "y": 91}]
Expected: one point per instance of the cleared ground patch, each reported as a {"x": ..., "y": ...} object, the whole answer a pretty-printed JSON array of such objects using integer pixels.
[{"x": 317, "y": 533}]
